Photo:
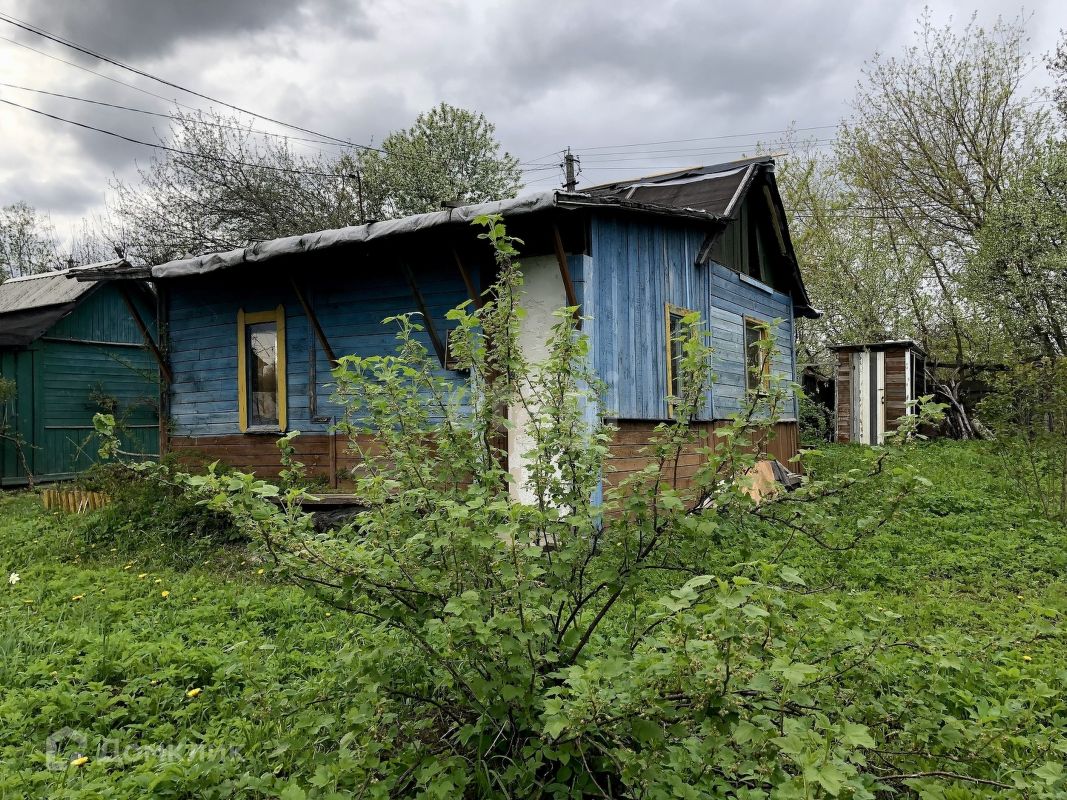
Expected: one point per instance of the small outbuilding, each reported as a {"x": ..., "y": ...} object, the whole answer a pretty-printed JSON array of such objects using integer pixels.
[
  {"x": 876, "y": 382},
  {"x": 69, "y": 350}
]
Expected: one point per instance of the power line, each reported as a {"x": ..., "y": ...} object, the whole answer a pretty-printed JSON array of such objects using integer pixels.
[
  {"x": 710, "y": 150},
  {"x": 82, "y": 49},
  {"x": 170, "y": 149},
  {"x": 180, "y": 151},
  {"x": 707, "y": 138},
  {"x": 163, "y": 115}
]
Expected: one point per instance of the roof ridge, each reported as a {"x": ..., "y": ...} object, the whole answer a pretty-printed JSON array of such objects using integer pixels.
[{"x": 47, "y": 274}]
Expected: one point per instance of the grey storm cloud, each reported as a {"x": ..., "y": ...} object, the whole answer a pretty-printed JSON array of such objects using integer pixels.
[
  {"x": 150, "y": 28},
  {"x": 548, "y": 73},
  {"x": 690, "y": 50}
]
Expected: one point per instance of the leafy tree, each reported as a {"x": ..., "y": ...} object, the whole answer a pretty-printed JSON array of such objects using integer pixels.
[
  {"x": 449, "y": 154},
  {"x": 28, "y": 243},
  {"x": 865, "y": 293},
  {"x": 1020, "y": 274},
  {"x": 889, "y": 224},
  {"x": 224, "y": 186}
]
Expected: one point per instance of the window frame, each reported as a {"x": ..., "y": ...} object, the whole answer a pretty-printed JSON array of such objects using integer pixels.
[
  {"x": 765, "y": 335},
  {"x": 670, "y": 312},
  {"x": 244, "y": 319}
]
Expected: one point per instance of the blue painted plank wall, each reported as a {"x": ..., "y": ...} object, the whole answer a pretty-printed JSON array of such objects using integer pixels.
[
  {"x": 350, "y": 307},
  {"x": 640, "y": 266}
]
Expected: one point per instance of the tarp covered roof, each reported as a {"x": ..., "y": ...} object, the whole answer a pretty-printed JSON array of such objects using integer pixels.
[
  {"x": 716, "y": 189},
  {"x": 376, "y": 231},
  {"x": 712, "y": 194},
  {"x": 32, "y": 304}
]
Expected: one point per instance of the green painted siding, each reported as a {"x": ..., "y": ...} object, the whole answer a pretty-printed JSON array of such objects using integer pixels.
[{"x": 92, "y": 360}]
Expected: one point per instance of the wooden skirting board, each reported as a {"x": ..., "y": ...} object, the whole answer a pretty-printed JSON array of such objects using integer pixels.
[{"x": 334, "y": 460}]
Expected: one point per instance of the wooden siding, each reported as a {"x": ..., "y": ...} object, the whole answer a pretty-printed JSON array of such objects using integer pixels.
[
  {"x": 896, "y": 388},
  {"x": 844, "y": 396},
  {"x": 90, "y": 361},
  {"x": 259, "y": 453},
  {"x": 640, "y": 267},
  {"x": 203, "y": 336},
  {"x": 626, "y": 457}
]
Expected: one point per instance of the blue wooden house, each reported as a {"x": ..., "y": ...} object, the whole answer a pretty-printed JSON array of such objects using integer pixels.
[
  {"x": 69, "y": 350},
  {"x": 252, "y": 333}
]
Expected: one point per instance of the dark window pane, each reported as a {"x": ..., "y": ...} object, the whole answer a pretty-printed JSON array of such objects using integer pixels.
[
  {"x": 676, "y": 354},
  {"x": 755, "y": 366},
  {"x": 262, "y": 349}
]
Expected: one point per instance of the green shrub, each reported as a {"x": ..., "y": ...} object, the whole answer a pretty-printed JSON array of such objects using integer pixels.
[
  {"x": 148, "y": 508},
  {"x": 1027, "y": 411}
]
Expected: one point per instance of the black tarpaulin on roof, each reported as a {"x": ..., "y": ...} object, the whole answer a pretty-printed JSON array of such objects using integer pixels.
[
  {"x": 711, "y": 193},
  {"x": 20, "y": 328}
]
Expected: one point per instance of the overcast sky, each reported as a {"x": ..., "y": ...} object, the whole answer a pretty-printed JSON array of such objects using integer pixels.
[{"x": 551, "y": 73}]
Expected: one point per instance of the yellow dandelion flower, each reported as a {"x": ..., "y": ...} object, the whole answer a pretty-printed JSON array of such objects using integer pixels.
[
  {"x": 260, "y": 571},
  {"x": 195, "y": 692},
  {"x": 329, "y": 614},
  {"x": 114, "y": 549},
  {"x": 78, "y": 597},
  {"x": 1028, "y": 659},
  {"x": 196, "y": 598},
  {"x": 143, "y": 575},
  {"x": 81, "y": 761},
  {"x": 128, "y": 566},
  {"x": 1019, "y": 597},
  {"x": 165, "y": 594},
  {"x": 159, "y": 580}
]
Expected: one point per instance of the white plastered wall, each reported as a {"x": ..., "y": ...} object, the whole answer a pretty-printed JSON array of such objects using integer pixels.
[{"x": 542, "y": 295}]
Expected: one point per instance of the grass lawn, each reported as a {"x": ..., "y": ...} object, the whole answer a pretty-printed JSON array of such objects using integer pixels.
[{"x": 211, "y": 681}]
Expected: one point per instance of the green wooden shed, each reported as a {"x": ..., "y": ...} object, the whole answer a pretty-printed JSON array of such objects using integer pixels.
[{"x": 68, "y": 350}]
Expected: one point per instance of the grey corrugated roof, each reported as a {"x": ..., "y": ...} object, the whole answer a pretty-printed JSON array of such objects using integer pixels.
[{"x": 38, "y": 291}]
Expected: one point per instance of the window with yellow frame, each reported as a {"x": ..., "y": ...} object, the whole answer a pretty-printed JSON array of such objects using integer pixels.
[
  {"x": 261, "y": 370},
  {"x": 757, "y": 355},
  {"x": 676, "y": 332}
]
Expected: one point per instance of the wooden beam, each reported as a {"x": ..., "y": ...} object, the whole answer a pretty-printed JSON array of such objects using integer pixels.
[
  {"x": 431, "y": 329},
  {"x": 324, "y": 343},
  {"x": 471, "y": 291},
  {"x": 565, "y": 273},
  {"x": 149, "y": 341}
]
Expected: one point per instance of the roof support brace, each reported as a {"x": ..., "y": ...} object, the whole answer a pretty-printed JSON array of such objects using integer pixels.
[
  {"x": 471, "y": 291},
  {"x": 438, "y": 343},
  {"x": 164, "y": 367},
  {"x": 565, "y": 273},
  {"x": 324, "y": 343}
]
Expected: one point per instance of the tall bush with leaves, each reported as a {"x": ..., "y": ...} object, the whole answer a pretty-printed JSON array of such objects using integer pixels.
[
  {"x": 572, "y": 645},
  {"x": 1027, "y": 411}
]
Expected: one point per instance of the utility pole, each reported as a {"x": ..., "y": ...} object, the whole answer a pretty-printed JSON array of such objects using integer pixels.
[{"x": 569, "y": 162}]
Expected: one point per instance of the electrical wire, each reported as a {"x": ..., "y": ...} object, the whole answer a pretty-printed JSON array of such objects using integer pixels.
[
  {"x": 164, "y": 115},
  {"x": 180, "y": 151},
  {"x": 100, "y": 56},
  {"x": 170, "y": 149},
  {"x": 706, "y": 138}
]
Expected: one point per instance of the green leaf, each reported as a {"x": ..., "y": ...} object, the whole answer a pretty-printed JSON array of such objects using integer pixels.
[
  {"x": 855, "y": 735},
  {"x": 1050, "y": 772}
]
